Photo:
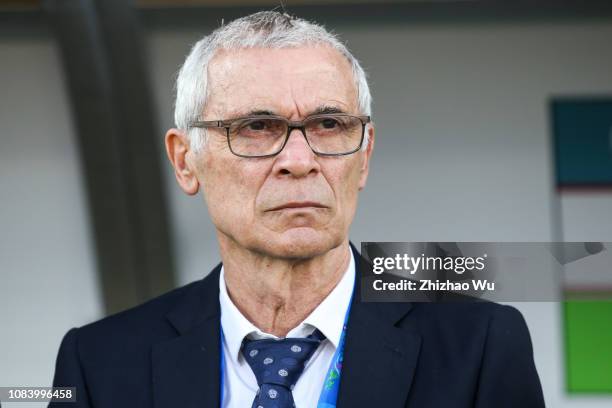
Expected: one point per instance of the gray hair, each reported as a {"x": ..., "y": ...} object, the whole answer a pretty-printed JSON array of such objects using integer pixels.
[{"x": 265, "y": 29}]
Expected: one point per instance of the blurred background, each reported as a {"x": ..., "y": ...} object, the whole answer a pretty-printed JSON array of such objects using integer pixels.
[{"x": 494, "y": 123}]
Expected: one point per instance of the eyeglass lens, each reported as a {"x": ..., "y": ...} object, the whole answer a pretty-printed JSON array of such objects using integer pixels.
[{"x": 266, "y": 136}]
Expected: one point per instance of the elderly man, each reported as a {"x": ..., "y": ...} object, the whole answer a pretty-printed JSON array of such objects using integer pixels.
[{"x": 273, "y": 126}]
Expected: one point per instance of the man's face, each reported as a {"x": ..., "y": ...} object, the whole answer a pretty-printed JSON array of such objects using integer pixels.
[{"x": 296, "y": 204}]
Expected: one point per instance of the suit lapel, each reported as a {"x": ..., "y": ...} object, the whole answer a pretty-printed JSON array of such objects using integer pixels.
[
  {"x": 379, "y": 358},
  {"x": 186, "y": 368}
]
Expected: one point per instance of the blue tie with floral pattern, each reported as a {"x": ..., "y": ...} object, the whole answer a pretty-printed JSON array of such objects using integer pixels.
[{"x": 277, "y": 365}]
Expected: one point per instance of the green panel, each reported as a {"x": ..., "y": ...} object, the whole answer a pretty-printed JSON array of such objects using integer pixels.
[{"x": 588, "y": 336}]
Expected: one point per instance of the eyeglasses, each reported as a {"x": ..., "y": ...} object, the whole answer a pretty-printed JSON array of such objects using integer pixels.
[{"x": 267, "y": 135}]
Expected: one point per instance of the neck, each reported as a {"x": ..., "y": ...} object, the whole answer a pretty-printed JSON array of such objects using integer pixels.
[{"x": 278, "y": 294}]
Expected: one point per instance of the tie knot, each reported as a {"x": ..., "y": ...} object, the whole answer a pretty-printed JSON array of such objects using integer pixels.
[{"x": 280, "y": 362}]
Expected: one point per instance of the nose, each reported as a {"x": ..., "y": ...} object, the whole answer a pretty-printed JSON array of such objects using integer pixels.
[{"x": 297, "y": 158}]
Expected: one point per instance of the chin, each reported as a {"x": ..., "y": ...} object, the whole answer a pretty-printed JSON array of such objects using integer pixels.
[{"x": 302, "y": 243}]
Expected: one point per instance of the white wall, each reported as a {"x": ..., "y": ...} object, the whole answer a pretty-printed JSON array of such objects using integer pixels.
[
  {"x": 587, "y": 216},
  {"x": 47, "y": 267},
  {"x": 463, "y": 147}
]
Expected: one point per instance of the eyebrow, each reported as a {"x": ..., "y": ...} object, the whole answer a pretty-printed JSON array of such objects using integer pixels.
[
  {"x": 321, "y": 110},
  {"x": 326, "y": 109},
  {"x": 260, "y": 112}
]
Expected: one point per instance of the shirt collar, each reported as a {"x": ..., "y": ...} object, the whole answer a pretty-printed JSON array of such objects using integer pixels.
[{"x": 325, "y": 316}]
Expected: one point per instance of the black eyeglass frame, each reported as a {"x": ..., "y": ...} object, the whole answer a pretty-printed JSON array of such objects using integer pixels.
[{"x": 291, "y": 125}]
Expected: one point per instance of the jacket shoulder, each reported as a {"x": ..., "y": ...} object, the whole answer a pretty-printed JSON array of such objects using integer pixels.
[
  {"x": 146, "y": 314},
  {"x": 467, "y": 311},
  {"x": 468, "y": 324},
  {"x": 147, "y": 323}
]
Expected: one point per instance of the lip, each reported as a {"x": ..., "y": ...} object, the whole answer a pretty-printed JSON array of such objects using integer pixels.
[{"x": 297, "y": 205}]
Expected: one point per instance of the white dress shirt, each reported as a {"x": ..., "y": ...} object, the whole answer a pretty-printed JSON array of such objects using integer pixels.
[{"x": 239, "y": 383}]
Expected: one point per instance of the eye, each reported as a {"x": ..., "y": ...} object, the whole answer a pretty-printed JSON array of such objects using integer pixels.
[
  {"x": 256, "y": 125},
  {"x": 259, "y": 127},
  {"x": 329, "y": 123}
]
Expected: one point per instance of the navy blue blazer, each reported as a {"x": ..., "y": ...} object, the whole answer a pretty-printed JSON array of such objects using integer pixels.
[{"x": 165, "y": 354}]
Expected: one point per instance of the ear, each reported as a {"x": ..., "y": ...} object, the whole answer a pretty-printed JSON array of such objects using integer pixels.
[
  {"x": 177, "y": 148},
  {"x": 367, "y": 154}
]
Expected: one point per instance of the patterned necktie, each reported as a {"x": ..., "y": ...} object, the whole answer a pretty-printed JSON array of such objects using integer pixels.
[{"x": 277, "y": 365}]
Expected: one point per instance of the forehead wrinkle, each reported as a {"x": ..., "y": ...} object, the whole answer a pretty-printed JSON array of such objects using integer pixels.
[
  {"x": 313, "y": 103},
  {"x": 313, "y": 107},
  {"x": 303, "y": 94},
  {"x": 344, "y": 95},
  {"x": 214, "y": 104}
]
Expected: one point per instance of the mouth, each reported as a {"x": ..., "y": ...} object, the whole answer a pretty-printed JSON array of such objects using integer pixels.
[{"x": 298, "y": 205}]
